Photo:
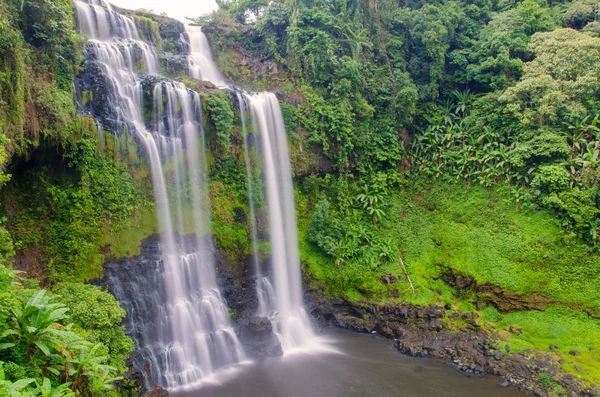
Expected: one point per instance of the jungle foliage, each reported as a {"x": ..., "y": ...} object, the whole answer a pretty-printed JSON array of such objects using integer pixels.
[
  {"x": 59, "y": 344},
  {"x": 485, "y": 92},
  {"x": 66, "y": 192}
]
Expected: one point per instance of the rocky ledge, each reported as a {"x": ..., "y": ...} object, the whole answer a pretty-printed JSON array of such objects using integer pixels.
[{"x": 426, "y": 332}]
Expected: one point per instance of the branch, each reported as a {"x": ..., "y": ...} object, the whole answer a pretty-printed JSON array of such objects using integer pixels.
[{"x": 406, "y": 273}]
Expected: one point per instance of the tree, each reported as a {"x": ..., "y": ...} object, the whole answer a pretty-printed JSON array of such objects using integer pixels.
[
  {"x": 561, "y": 79},
  {"x": 581, "y": 12}
]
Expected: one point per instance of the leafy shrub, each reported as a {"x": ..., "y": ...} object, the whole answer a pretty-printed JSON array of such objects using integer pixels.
[
  {"x": 551, "y": 179},
  {"x": 219, "y": 116},
  {"x": 98, "y": 315}
]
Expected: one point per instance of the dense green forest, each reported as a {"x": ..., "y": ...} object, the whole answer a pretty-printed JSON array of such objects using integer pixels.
[{"x": 429, "y": 139}]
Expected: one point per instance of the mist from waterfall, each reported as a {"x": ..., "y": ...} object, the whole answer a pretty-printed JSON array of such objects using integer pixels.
[{"x": 182, "y": 329}]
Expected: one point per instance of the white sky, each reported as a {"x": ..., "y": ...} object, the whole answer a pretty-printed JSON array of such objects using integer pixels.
[{"x": 174, "y": 8}]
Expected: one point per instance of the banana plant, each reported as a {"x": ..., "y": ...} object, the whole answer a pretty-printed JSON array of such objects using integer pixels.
[
  {"x": 589, "y": 158},
  {"x": 371, "y": 202},
  {"x": 45, "y": 389},
  {"x": 20, "y": 388},
  {"x": 89, "y": 371},
  {"x": 38, "y": 328},
  {"x": 463, "y": 102}
]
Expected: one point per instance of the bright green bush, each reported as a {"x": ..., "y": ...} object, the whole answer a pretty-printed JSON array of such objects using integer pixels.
[
  {"x": 99, "y": 316},
  {"x": 219, "y": 116},
  {"x": 43, "y": 349}
]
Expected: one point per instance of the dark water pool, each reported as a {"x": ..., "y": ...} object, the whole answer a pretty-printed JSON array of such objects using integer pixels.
[{"x": 365, "y": 365}]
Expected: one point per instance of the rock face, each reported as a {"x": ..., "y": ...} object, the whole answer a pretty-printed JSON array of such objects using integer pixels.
[
  {"x": 503, "y": 300},
  {"x": 157, "y": 391},
  {"x": 423, "y": 332},
  {"x": 239, "y": 290}
]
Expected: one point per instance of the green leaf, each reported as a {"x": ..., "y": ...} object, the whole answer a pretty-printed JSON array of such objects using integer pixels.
[
  {"x": 42, "y": 346},
  {"x": 20, "y": 384}
]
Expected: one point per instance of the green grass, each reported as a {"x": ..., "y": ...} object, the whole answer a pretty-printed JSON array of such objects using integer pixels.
[
  {"x": 481, "y": 234},
  {"x": 568, "y": 329}
]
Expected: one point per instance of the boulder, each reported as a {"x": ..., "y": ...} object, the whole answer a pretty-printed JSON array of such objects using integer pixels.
[
  {"x": 258, "y": 338},
  {"x": 157, "y": 391}
]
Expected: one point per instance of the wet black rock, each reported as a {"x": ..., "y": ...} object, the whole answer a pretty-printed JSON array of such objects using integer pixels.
[
  {"x": 494, "y": 295},
  {"x": 258, "y": 338},
  {"x": 172, "y": 34},
  {"x": 389, "y": 279},
  {"x": 132, "y": 382},
  {"x": 240, "y": 215},
  {"x": 174, "y": 64},
  {"x": 157, "y": 391}
]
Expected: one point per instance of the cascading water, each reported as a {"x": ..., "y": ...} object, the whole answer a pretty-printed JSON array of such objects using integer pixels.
[
  {"x": 202, "y": 339},
  {"x": 264, "y": 289},
  {"x": 201, "y": 63},
  {"x": 291, "y": 323},
  {"x": 182, "y": 328},
  {"x": 281, "y": 298}
]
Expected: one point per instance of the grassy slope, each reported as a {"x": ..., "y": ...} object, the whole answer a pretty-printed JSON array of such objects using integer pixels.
[{"x": 480, "y": 233}]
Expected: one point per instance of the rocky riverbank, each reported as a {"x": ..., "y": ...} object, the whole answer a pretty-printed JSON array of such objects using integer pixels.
[{"x": 430, "y": 332}]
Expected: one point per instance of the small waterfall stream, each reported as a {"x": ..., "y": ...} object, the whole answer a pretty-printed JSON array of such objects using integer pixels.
[
  {"x": 280, "y": 297},
  {"x": 291, "y": 322},
  {"x": 264, "y": 289},
  {"x": 201, "y": 63},
  {"x": 182, "y": 329}
]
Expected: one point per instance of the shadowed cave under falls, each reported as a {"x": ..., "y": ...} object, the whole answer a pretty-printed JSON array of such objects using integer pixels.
[{"x": 185, "y": 339}]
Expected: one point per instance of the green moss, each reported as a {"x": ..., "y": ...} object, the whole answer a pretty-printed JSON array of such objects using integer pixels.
[
  {"x": 127, "y": 241},
  {"x": 566, "y": 328},
  {"x": 218, "y": 119},
  {"x": 85, "y": 97},
  {"x": 229, "y": 63},
  {"x": 148, "y": 29},
  {"x": 230, "y": 235}
]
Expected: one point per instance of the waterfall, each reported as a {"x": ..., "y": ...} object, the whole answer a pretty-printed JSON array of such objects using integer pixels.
[
  {"x": 97, "y": 20},
  {"x": 281, "y": 296},
  {"x": 181, "y": 326},
  {"x": 291, "y": 322},
  {"x": 264, "y": 289},
  {"x": 201, "y": 63}
]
